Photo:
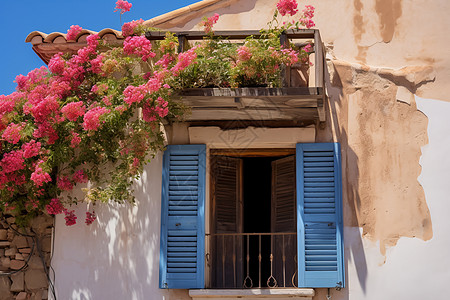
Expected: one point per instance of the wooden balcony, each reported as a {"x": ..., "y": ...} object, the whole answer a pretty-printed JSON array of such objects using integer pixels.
[{"x": 301, "y": 99}]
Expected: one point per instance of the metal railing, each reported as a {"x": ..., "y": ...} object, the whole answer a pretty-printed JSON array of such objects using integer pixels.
[{"x": 247, "y": 260}]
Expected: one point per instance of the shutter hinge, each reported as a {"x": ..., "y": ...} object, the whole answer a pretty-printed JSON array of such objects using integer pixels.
[
  {"x": 339, "y": 285},
  {"x": 165, "y": 285}
]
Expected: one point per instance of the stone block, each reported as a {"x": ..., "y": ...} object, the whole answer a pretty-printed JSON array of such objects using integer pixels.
[
  {"x": 18, "y": 282},
  {"x": 4, "y": 244},
  {"x": 11, "y": 234},
  {"x": 20, "y": 241},
  {"x": 21, "y": 296},
  {"x": 35, "y": 280},
  {"x": 31, "y": 241},
  {"x": 46, "y": 244},
  {"x": 37, "y": 295},
  {"x": 3, "y": 234},
  {"x": 35, "y": 262},
  {"x": 25, "y": 250},
  {"x": 19, "y": 256},
  {"x": 5, "y": 262},
  {"x": 41, "y": 223},
  {"x": 3, "y": 224},
  {"x": 2, "y": 252},
  {"x": 11, "y": 220},
  {"x": 17, "y": 264},
  {"x": 10, "y": 251},
  {"x": 5, "y": 288}
]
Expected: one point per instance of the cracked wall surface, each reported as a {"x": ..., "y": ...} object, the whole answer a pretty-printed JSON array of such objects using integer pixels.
[{"x": 382, "y": 138}]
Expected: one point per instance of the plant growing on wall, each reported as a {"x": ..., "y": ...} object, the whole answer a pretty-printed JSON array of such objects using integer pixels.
[{"x": 93, "y": 118}]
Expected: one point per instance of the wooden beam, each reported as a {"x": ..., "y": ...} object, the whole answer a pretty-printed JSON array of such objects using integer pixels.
[
  {"x": 237, "y": 102},
  {"x": 231, "y": 34},
  {"x": 253, "y": 152},
  {"x": 276, "y": 114},
  {"x": 297, "y": 92}
]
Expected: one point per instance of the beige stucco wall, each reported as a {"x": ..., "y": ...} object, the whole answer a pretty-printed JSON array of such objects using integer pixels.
[{"x": 381, "y": 55}]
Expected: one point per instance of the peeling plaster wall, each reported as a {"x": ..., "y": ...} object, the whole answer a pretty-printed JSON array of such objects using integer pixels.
[
  {"x": 381, "y": 139},
  {"x": 381, "y": 55}
]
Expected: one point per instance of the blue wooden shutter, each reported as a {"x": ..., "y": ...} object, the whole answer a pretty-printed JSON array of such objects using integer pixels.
[
  {"x": 182, "y": 252},
  {"x": 319, "y": 216}
]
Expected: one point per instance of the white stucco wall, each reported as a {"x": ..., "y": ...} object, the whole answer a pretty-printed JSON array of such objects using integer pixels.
[{"x": 117, "y": 257}]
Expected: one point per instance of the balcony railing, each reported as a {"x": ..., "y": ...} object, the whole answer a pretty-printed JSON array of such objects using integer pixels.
[{"x": 252, "y": 260}]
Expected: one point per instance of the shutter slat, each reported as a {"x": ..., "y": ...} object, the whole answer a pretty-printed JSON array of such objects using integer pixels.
[
  {"x": 190, "y": 168},
  {"x": 181, "y": 259},
  {"x": 183, "y": 157},
  {"x": 312, "y": 174},
  {"x": 183, "y": 173},
  {"x": 320, "y": 243},
  {"x": 182, "y": 217}
]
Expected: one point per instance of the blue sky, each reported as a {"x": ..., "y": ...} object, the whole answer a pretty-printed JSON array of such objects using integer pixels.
[{"x": 20, "y": 17}]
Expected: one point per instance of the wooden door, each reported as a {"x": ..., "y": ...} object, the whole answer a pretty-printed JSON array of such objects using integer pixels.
[
  {"x": 283, "y": 220},
  {"x": 227, "y": 218}
]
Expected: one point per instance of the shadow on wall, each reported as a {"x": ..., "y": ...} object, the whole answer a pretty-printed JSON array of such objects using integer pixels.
[
  {"x": 189, "y": 20},
  {"x": 117, "y": 257},
  {"x": 336, "y": 130}
]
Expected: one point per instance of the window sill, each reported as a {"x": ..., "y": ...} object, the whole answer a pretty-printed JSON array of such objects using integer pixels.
[{"x": 254, "y": 294}]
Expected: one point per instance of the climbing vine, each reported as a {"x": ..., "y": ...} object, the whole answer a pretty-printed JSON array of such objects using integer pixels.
[{"x": 92, "y": 119}]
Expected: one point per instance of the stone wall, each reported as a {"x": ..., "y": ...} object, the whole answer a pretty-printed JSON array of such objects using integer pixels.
[{"x": 23, "y": 252}]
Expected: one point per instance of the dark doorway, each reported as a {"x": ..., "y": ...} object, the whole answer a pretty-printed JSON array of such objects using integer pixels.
[{"x": 252, "y": 199}]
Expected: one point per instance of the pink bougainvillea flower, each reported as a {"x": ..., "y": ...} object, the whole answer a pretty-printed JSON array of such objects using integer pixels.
[
  {"x": 96, "y": 65},
  {"x": 75, "y": 140},
  {"x": 6, "y": 105},
  {"x": 12, "y": 133},
  {"x": 123, "y": 6},
  {"x": 308, "y": 11},
  {"x": 287, "y": 7},
  {"x": 90, "y": 217},
  {"x": 39, "y": 177},
  {"x": 57, "y": 63},
  {"x": 151, "y": 113},
  {"x": 208, "y": 23},
  {"x": 12, "y": 161},
  {"x": 80, "y": 177},
  {"x": 185, "y": 59},
  {"x": 73, "y": 110},
  {"x": 244, "y": 53},
  {"x": 134, "y": 94},
  {"x": 165, "y": 60},
  {"x": 129, "y": 28},
  {"x": 73, "y": 32},
  {"x": 31, "y": 149},
  {"x": 308, "y": 48},
  {"x": 138, "y": 45},
  {"x": 91, "y": 120},
  {"x": 92, "y": 40},
  {"x": 70, "y": 217},
  {"x": 54, "y": 207},
  {"x": 64, "y": 183},
  {"x": 153, "y": 85},
  {"x": 107, "y": 100}
]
